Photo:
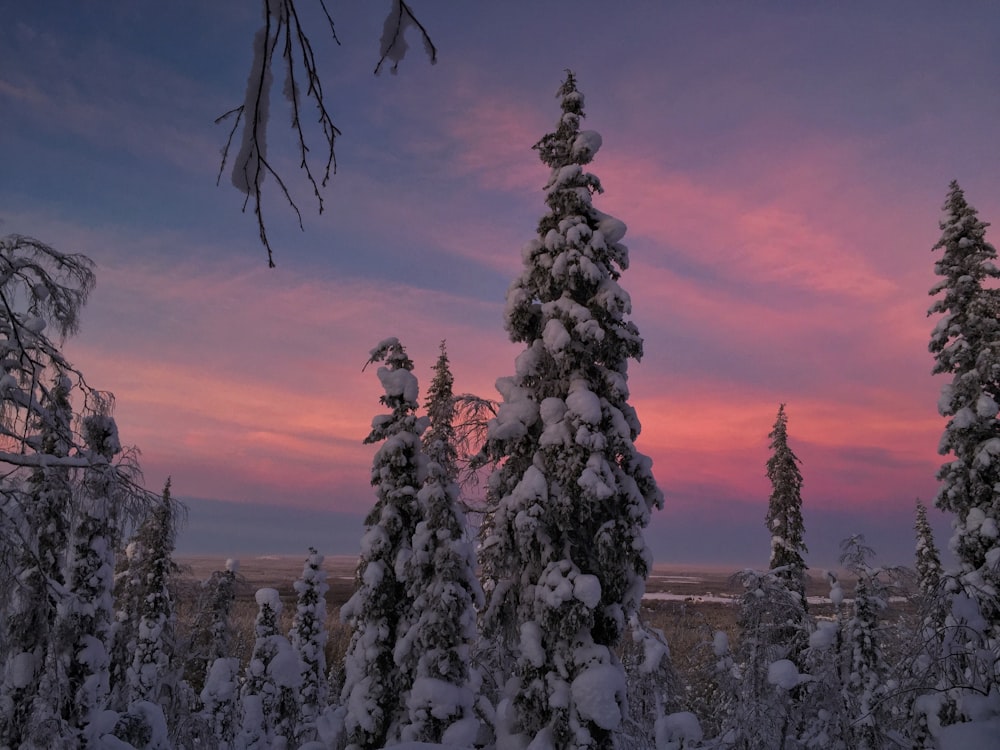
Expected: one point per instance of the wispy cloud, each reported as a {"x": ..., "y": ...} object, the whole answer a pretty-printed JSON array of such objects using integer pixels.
[{"x": 112, "y": 98}]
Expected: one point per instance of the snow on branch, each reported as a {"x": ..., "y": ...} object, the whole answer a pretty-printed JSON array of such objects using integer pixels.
[
  {"x": 250, "y": 166},
  {"x": 393, "y": 41},
  {"x": 283, "y": 25}
]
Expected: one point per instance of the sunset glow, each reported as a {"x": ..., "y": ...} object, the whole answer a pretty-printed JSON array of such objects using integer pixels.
[{"x": 780, "y": 167}]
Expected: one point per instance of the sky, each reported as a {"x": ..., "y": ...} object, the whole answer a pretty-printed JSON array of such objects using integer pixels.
[{"x": 780, "y": 166}]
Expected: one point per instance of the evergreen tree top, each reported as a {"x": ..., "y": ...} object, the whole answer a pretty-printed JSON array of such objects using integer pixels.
[
  {"x": 784, "y": 511},
  {"x": 439, "y": 440},
  {"x": 778, "y": 436},
  {"x": 400, "y": 394},
  {"x": 963, "y": 238},
  {"x": 561, "y": 148},
  {"x": 969, "y": 309}
]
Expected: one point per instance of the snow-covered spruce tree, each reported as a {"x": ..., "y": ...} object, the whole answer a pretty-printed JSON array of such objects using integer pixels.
[
  {"x": 922, "y": 670},
  {"x": 380, "y": 611},
  {"x": 563, "y": 553},
  {"x": 434, "y": 656},
  {"x": 825, "y": 717},
  {"x": 91, "y": 578},
  {"x": 764, "y": 708},
  {"x": 78, "y": 674},
  {"x": 43, "y": 536},
  {"x": 270, "y": 683},
  {"x": 440, "y": 440},
  {"x": 653, "y": 685},
  {"x": 928, "y": 561},
  {"x": 128, "y": 593},
  {"x": 966, "y": 345},
  {"x": 154, "y": 675},
  {"x": 308, "y": 637},
  {"x": 220, "y": 710},
  {"x": 211, "y": 632},
  {"x": 787, "y": 564},
  {"x": 867, "y": 690},
  {"x": 784, "y": 510}
]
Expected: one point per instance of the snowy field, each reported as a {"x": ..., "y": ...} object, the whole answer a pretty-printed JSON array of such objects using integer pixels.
[{"x": 668, "y": 582}]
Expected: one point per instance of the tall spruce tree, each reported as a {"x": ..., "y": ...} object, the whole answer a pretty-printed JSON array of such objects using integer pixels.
[
  {"x": 380, "y": 611},
  {"x": 790, "y": 636},
  {"x": 441, "y": 575},
  {"x": 966, "y": 345},
  {"x": 563, "y": 551},
  {"x": 928, "y": 561},
  {"x": 784, "y": 509},
  {"x": 440, "y": 440}
]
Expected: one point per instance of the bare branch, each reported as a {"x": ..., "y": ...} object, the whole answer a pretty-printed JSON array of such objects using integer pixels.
[
  {"x": 472, "y": 416},
  {"x": 281, "y": 22}
]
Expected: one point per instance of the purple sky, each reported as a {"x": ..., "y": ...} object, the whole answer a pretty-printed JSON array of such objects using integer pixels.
[{"x": 780, "y": 166}]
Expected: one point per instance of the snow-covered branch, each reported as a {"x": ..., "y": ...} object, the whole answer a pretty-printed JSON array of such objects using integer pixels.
[
  {"x": 282, "y": 24},
  {"x": 393, "y": 42}
]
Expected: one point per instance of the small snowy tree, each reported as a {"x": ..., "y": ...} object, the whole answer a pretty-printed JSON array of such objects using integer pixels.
[
  {"x": 380, "y": 611},
  {"x": 128, "y": 594},
  {"x": 825, "y": 717},
  {"x": 866, "y": 687},
  {"x": 653, "y": 686},
  {"x": 211, "y": 634},
  {"x": 563, "y": 553},
  {"x": 922, "y": 670},
  {"x": 765, "y": 681},
  {"x": 308, "y": 637},
  {"x": 212, "y": 664},
  {"x": 155, "y": 674},
  {"x": 270, "y": 683},
  {"x": 220, "y": 709},
  {"x": 441, "y": 577},
  {"x": 928, "y": 561},
  {"x": 440, "y": 439}
]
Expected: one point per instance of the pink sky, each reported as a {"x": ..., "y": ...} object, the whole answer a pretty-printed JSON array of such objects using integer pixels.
[{"x": 780, "y": 170}]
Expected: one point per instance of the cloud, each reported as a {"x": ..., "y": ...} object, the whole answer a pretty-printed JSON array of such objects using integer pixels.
[
  {"x": 115, "y": 99},
  {"x": 248, "y": 384}
]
